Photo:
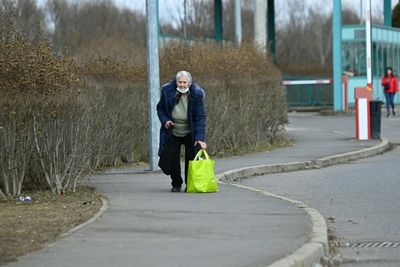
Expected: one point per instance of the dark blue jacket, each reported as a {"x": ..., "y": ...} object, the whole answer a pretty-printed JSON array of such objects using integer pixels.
[{"x": 196, "y": 113}]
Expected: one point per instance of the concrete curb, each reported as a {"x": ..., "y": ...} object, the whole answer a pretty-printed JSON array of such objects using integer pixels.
[
  {"x": 240, "y": 173},
  {"x": 354, "y": 155},
  {"x": 101, "y": 211},
  {"x": 317, "y": 247}
]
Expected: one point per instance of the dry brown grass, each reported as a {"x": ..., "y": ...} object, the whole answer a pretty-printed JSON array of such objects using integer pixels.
[{"x": 28, "y": 226}]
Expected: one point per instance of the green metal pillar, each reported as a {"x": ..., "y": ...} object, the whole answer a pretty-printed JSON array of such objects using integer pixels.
[
  {"x": 387, "y": 13},
  {"x": 218, "y": 20},
  {"x": 337, "y": 55},
  {"x": 271, "y": 25}
]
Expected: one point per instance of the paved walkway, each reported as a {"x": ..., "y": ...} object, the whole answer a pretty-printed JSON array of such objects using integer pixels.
[{"x": 146, "y": 225}]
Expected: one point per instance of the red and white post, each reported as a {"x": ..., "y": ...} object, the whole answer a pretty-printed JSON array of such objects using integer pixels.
[{"x": 363, "y": 95}]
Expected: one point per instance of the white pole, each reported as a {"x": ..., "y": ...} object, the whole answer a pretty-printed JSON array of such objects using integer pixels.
[
  {"x": 153, "y": 70},
  {"x": 260, "y": 23},
  {"x": 368, "y": 43},
  {"x": 238, "y": 22},
  {"x": 184, "y": 19}
]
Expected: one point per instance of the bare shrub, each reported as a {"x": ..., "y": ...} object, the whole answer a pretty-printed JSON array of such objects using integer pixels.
[
  {"x": 245, "y": 100},
  {"x": 117, "y": 112},
  {"x": 61, "y": 120},
  {"x": 15, "y": 148},
  {"x": 34, "y": 84}
]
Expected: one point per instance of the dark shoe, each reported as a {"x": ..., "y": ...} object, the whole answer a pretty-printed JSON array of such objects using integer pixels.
[
  {"x": 387, "y": 115},
  {"x": 394, "y": 113},
  {"x": 176, "y": 189}
]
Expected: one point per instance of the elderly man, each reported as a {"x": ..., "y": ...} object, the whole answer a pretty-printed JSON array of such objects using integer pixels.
[{"x": 182, "y": 116}]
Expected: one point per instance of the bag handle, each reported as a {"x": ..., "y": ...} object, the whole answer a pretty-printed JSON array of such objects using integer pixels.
[{"x": 201, "y": 152}]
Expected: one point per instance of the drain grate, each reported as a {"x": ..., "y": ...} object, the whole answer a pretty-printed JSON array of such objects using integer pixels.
[{"x": 373, "y": 245}]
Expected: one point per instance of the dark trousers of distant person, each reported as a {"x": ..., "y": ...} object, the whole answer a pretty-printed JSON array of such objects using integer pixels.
[{"x": 390, "y": 102}]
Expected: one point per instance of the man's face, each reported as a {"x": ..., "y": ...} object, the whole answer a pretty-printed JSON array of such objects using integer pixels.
[{"x": 182, "y": 82}]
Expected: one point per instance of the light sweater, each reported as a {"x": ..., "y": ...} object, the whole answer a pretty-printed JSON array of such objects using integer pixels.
[{"x": 180, "y": 117}]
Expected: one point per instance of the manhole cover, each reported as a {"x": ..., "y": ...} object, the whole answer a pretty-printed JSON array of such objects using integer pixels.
[{"x": 372, "y": 245}]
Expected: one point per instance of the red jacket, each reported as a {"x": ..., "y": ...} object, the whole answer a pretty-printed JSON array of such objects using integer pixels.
[{"x": 391, "y": 82}]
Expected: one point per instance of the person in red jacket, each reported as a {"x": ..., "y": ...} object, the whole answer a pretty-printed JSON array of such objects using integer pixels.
[{"x": 391, "y": 87}]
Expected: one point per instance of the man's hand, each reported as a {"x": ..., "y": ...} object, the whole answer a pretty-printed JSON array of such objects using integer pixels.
[
  {"x": 168, "y": 124},
  {"x": 202, "y": 144}
]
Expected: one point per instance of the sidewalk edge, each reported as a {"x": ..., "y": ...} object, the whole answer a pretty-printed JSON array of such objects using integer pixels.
[
  {"x": 258, "y": 170},
  {"x": 317, "y": 247},
  {"x": 354, "y": 155},
  {"x": 311, "y": 252},
  {"x": 101, "y": 211}
]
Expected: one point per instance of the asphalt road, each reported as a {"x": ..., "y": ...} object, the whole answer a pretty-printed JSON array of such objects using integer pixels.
[{"x": 359, "y": 200}]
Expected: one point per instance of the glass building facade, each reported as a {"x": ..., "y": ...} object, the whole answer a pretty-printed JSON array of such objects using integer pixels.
[{"x": 385, "y": 52}]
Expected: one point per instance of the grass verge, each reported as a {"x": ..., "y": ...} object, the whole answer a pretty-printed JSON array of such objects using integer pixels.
[{"x": 28, "y": 226}]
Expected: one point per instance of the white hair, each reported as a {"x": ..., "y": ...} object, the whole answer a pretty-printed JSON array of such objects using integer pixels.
[{"x": 182, "y": 73}]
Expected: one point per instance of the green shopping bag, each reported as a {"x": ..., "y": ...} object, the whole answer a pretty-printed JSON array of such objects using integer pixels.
[{"x": 201, "y": 177}]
